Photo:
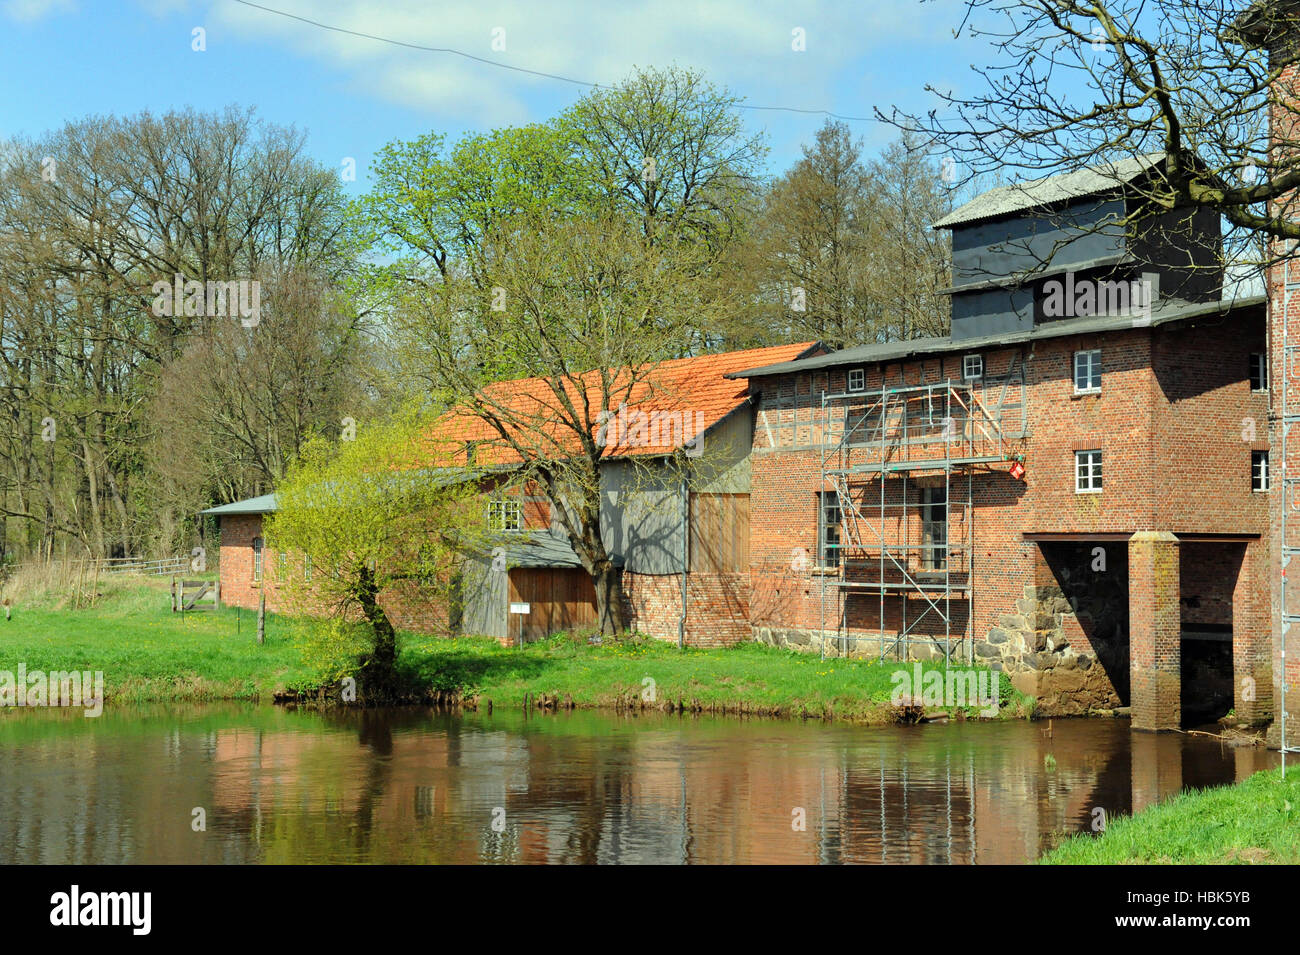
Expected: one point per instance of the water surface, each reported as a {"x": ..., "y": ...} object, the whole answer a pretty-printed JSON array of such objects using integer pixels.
[{"x": 285, "y": 786}]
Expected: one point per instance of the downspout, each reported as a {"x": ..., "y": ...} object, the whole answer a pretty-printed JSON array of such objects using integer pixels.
[{"x": 686, "y": 550}]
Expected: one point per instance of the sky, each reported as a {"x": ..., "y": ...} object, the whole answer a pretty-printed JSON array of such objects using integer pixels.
[{"x": 69, "y": 59}]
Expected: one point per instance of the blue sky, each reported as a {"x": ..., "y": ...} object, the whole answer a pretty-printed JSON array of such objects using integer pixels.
[{"x": 67, "y": 59}]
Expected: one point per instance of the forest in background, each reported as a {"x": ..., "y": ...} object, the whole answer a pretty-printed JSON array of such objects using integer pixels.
[{"x": 131, "y": 400}]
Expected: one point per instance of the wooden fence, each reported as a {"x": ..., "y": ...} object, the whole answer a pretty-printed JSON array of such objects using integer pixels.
[{"x": 190, "y": 595}]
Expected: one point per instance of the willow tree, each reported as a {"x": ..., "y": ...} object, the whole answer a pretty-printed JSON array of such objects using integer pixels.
[{"x": 371, "y": 516}]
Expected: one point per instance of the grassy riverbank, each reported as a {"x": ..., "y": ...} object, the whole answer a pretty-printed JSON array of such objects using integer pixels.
[
  {"x": 1255, "y": 821},
  {"x": 148, "y": 654}
]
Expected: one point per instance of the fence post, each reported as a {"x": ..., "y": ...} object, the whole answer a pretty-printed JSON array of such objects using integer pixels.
[{"x": 261, "y": 619}]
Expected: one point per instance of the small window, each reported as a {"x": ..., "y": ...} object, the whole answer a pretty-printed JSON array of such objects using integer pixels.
[
  {"x": 828, "y": 529},
  {"x": 972, "y": 367},
  {"x": 505, "y": 515},
  {"x": 257, "y": 559},
  {"x": 282, "y": 566},
  {"x": 857, "y": 379},
  {"x": 1087, "y": 472},
  {"x": 934, "y": 528},
  {"x": 1259, "y": 470},
  {"x": 1258, "y": 373},
  {"x": 306, "y": 567},
  {"x": 1087, "y": 371}
]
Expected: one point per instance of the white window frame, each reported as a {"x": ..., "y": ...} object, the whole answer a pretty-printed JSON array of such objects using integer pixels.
[
  {"x": 1259, "y": 478},
  {"x": 1092, "y": 357},
  {"x": 506, "y": 515},
  {"x": 1092, "y": 482},
  {"x": 860, "y": 374},
  {"x": 1260, "y": 359},
  {"x": 968, "y": 372}
]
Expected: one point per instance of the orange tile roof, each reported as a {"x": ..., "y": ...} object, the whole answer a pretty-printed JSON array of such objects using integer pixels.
[{"x": 666, "y": 406}]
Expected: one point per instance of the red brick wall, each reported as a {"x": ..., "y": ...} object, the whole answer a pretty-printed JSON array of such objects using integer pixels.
[
  {"x": 1169, "y": 420},
  {"x": 717, "y": 608}
]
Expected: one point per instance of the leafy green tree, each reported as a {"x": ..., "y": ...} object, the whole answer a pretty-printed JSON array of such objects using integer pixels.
[
  {"x": 370, "y": 516},
  {"x": 669, "y": 149}
]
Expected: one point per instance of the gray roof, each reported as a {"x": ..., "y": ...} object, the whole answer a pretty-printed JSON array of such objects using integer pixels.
[
  {"x": 1165, "y": 311},
  {"x": 542, "y": 549},
  {"x": 1062, "y": 187},
  {"x": 265, "y": 504},
  {"x": 1264, "y": 20}
]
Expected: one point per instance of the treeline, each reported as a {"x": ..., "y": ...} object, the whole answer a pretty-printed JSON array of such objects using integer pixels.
[{"x": 187, "y": 298}]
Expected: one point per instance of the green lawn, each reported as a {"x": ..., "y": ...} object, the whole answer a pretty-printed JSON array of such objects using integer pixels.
[
  {"x": 761, "y": 678},
  {"x": 1255, "y": 821},
  {"x": 147, "y": 653}
]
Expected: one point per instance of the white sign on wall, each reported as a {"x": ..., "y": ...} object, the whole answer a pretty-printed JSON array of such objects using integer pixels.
[{"x": 521, "y": 608}]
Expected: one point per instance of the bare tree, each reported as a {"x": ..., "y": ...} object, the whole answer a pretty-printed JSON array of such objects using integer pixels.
[
  {"x": 91, "y": 217},
  {"x": 1185, "y": 87}
]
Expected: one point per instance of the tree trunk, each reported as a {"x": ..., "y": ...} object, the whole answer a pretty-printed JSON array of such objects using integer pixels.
[
  {"x": 611, "y": 613},
  {"x": 378, "y": 669}
]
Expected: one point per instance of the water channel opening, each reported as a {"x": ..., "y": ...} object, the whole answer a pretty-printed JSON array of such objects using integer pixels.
[
  {"x": 1208, "y": 574},
  {"x": 1091, "y": 576}
]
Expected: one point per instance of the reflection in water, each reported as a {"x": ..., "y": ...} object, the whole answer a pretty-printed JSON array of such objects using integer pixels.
[{"x": 413, "y": 786}]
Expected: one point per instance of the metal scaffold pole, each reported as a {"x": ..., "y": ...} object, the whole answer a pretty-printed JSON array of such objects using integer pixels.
[
  {"x": 1287, "y": 505},
  {"x": 922, "y": 438}
]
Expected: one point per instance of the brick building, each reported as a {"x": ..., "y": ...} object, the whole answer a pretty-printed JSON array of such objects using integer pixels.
[
  {"x": 1077, "y": 496},
  {"x": 674, "y": 517},
  {"x": 1073, "y": 486}
]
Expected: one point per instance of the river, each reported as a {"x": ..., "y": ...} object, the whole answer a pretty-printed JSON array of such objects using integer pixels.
[{"x": 230, "y": 783}]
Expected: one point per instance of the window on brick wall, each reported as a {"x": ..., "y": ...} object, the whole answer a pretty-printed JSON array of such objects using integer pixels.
[
  {"x": 1087, "y": 371},
  {"x": 1258, "y": 372},
  {"x": 306, "y": 567},
  {"x": 505, "y": 515},
  {"x": 1087, "y": 472},
  {"x": 972, "y": 367},
  {"x": 857, "y": 379},
  {"x": 934, "y": 528},
  {"x": 257, "y": 559},
  {"x": 828, "y": 529},
  {"x": 1259, "y": 470}
]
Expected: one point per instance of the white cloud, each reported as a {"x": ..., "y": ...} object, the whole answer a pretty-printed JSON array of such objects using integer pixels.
[{"x": 746, "y": 46}]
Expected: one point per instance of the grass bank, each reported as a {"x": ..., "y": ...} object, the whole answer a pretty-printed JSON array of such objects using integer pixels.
[
  {"x": 146, "y": 652},
  {"x": 1255, "y": 821},
  {"x": 149, "y": 654}
]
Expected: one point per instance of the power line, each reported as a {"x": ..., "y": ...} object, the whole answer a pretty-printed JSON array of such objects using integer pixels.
[{"x": 520, "y": 69}]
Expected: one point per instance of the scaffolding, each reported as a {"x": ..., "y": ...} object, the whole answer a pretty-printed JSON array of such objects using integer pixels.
[
  {"x": 1289, "y": 505},
  {"x": 896, "y": 518}
]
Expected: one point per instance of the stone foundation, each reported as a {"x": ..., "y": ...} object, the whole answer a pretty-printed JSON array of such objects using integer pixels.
[
  {"x": 1039, "y": 648},
  {"x": 863, "y": 646}
]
